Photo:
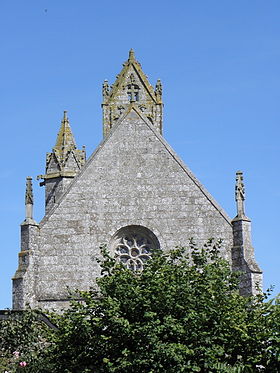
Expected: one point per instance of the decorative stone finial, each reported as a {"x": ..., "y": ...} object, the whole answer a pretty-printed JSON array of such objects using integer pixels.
[
  {"x": 158, "y": 88},
  {"x": 105, "y": 88},
  {"x": 131, "y": 56},
  {"x": 243, "y": 256},
  {"x": 28, "y": 199},
  {"x": 240, "y": 194},
  {"x": 29, "y": 191}
]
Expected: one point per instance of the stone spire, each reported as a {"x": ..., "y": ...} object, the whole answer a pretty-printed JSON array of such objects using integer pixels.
[
  {"x": 131, "y": 86},
  {"x": 243, "y": 253},
  {"x": 62, "y": 164},
  {"x": 65, "y": 140}
]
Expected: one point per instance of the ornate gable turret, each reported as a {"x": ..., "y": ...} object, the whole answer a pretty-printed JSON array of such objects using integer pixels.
[
  {"x": 65, "y": 157},
  {"x": 62, "y": 164},
  {"x": 131, "y": 85}
]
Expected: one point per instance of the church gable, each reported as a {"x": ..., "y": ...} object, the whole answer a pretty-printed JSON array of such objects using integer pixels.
[
  {"x": 133, "y": 179},
  {"x": 133, "y": 194}
]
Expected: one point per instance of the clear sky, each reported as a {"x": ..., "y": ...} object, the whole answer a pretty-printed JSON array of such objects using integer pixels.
[{"x": 219, "y": 64}]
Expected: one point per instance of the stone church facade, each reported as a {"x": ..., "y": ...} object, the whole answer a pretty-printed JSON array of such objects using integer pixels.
[{"x": 133, "y": 194}]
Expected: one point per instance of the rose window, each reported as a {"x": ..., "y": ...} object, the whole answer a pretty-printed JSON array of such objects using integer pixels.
[
  {"x": 134, "y": 246},
  {"x": 133, "y": 251}
]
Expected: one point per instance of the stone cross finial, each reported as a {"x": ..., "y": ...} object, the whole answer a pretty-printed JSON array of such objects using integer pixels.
[
  {"x": 29, "y": 199},
  {"x": 239, "y": 194}
]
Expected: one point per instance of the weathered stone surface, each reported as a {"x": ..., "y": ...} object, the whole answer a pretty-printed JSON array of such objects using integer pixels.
[{"x": 134, "y": 179}]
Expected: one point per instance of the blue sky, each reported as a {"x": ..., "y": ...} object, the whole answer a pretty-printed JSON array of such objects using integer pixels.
[{"x": 219, "y": 65}]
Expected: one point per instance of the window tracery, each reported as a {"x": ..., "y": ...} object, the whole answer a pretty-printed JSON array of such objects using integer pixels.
[{"x": 134, "y": 246}]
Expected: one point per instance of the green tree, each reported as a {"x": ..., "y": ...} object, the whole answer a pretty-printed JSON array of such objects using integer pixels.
[{"x": 182, "y": 313}]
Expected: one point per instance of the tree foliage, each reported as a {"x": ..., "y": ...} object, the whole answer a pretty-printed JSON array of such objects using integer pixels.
[
  {"x": 23, "y": 339},
  {"x": 182, "y": 313}
]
